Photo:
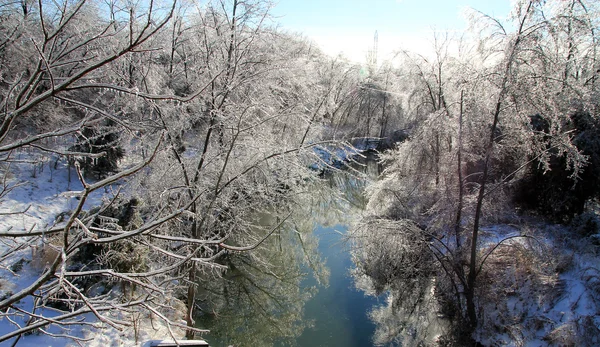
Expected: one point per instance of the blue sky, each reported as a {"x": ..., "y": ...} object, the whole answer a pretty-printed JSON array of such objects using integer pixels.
[{"x": 349, "y": 25}]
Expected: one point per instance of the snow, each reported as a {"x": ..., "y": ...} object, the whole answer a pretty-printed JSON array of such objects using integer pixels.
[
  {"x": 552, "y": 306},
  {"x": 533, "y": 314},
  {"x": 333, "y": 156},
  {"x": 44, "y": 192}
]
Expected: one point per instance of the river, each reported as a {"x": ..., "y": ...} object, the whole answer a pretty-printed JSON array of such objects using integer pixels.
[{"x": 297, "y": 288}]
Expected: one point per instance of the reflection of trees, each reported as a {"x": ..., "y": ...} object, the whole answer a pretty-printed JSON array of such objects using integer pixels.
[
  {"x": 402, "y": 325},
  {"x": 342, "y": 197},
  {"x": 392, "y": 257},
  {"x": 260, "y": 299}
]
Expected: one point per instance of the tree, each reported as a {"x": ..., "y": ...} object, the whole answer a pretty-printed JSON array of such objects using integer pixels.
[
  {"x": 564, "y": 56},
  {"x": 449, "y": 191},
  {"x": 186, "y": 202},
  {"x": 241, "y": 165},
  {"x": 57, "y": 55}
]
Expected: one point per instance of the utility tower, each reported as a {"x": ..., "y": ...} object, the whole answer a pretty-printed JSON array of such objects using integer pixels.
[
  {"x": 372, "y": 53},
  {"x": 375, "y": 47}
]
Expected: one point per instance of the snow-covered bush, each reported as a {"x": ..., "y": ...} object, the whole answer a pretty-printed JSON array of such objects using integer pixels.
[
  {"x": 99, "y": 140},
  {"x": 555, "y": 188}
]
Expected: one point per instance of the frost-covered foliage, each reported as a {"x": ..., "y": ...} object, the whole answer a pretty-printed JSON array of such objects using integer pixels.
[
  {"x": 542, "y": 288},
  {"x": 569, "y": 191},
  {"x": 394, "y": 254},
  {"x": 484, "y": 119},
  {"x": 203, "y": 117},
  {"x": 99, "y": 140},
  {"x": 393, "y": 257}
]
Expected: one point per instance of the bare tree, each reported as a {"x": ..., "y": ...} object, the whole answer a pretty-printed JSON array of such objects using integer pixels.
[
  {"x": 62, "y": 74},
  {"x": 497, "y": 89}
]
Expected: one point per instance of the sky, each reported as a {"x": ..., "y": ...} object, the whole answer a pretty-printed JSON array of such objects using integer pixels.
[{"x": 348, "y": 26}]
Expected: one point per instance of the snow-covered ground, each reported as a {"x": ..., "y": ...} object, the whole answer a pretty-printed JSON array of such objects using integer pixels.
[
  {"x": 546, "y": 288},
  {"x": 42, "y": 191}
]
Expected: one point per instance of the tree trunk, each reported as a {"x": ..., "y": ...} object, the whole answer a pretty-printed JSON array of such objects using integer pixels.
[
  {"x": 460, "y": 178},
  {"x": 472, "y": 277}
]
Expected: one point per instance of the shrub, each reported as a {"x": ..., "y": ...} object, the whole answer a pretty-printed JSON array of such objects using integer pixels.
[
  {"x": 95, "y": 140},
  {"x": 554, "y": 193}
]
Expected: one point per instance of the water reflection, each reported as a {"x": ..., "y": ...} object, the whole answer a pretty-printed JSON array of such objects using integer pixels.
[
  {"x": 295, "y": 289},
  {"x": 259, "y": 300},
  {"x": 340, "y": 311},
  {"x": 409, "y": 313},
  {"x": 408, "y": 318}
]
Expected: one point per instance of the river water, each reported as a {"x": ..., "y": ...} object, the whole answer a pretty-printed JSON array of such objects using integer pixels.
[
  {"x": 297, "y": 288},
  {"x": 339, "y": 310}
]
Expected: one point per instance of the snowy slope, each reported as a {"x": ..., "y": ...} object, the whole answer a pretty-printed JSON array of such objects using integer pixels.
[
  {"x": 42, "y": 189},
  {"x": 545, "y": 289}
]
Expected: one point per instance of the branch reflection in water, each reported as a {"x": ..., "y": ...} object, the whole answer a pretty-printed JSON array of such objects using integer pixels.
[{"x": 261, "y": 299}]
